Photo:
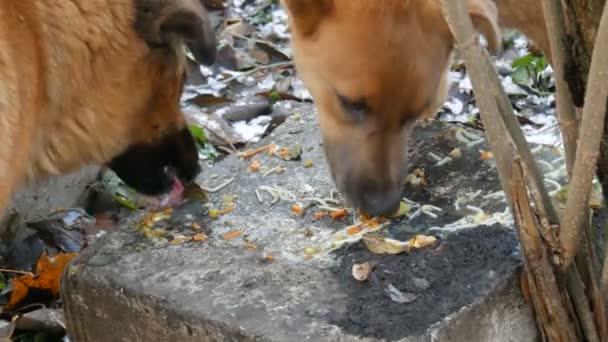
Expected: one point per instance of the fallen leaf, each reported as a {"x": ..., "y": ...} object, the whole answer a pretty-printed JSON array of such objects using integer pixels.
[
  {"x": 47, "y": 277},
  {"x": 233, "y": 235},
  {"x": 362, "y": 271}
]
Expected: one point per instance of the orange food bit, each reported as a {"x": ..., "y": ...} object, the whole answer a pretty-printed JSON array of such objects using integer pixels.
[
  {"x": 268, "y": 257},
  {"x": 486, "y": 155},
  {"x": 422, "y": 182},
  {"x": 233, "y": 235},
  {"x": 321, "y": 214},
  {"x": 196, "y": 226},
  {"x": 200, "y": 237},
  {"x": 338, "y": 214},
  {"x": 297, "y": 210},
  {"x": 250, "y": 245},
  {"x": 255, "y": 166},
  {"x": 354, "y": 230},
  {"x": 254, "y": 152}
]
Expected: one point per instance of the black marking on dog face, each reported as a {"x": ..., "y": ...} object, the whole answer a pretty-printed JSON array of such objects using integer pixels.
[{"x": 149, "y": 168}]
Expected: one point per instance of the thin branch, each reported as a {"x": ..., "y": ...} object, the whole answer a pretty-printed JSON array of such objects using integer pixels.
[
  {"x": 592, "y": 126},
  {"x": 566, "y": 111}
]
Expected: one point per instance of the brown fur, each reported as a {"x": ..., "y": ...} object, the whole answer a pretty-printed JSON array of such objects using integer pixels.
[
  {"x": 79, "y": 84},
  {"x": 389, "y": 60}
]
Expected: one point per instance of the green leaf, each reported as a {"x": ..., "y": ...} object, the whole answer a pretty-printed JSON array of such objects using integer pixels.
[
  {"x": 523, "y": 61},
  {"x": 198, "y": 133},
  {"x": 522, "y": 77},
  {"x": 120, "y": 198},
  {"x": 208, "y": 151},
  {"x": 274, "y": 96}
]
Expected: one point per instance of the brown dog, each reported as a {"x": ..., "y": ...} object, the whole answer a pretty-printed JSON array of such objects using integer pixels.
[
  {"x": 373, "y": 68},
  {"x": 98, "y": 82}
]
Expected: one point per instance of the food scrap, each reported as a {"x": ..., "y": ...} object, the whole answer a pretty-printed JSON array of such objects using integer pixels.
[
  {"x": 200, "y": 237},
  {"x": 254, "y": 152},
  {"x": 298, "y": 210},
  {"x": 233, "y": 235},
  {"x": 354, "y": 230},
  {"x": 255, "y": 166},
  {"x": 308, "y": 163},
  {"x": 250, "y": 245},
  {"x": 214, "y": 213},
  {"x": 455, "y": 153},
  {"x": 485, "y": 155},
  {"x": 362, "y": 271},
  {"x": 321, "y": 214},
  {"x": 338, "y": 214},
  {"x": 310, "y": 251},
  {"x": 404, "y": 209}
]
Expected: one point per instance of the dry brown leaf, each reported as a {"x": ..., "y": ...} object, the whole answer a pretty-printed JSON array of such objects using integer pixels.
[{"x": 47, "y": 277}]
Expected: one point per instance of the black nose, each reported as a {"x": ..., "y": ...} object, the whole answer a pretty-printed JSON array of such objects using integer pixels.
[{"x": 376, "y": 201}]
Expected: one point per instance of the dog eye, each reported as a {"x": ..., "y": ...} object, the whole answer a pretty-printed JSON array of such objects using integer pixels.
[{"x": 358, "y": 109}]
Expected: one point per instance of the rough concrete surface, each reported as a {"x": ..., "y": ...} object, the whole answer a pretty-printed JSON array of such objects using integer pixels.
[{"x": 297, "y": 285}]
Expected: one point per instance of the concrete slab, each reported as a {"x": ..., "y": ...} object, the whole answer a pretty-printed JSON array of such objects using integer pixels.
[{"x": 155, "y": 280}]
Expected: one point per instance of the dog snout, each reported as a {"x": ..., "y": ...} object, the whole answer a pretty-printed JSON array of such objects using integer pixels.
[{"x": 375, "y": 200}]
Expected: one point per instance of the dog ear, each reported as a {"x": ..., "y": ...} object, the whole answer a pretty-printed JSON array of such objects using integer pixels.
[
  {"x": 162, "y": 22},
  {"x": 484, "y": 15},
  {"x": 305, "y": 15}
]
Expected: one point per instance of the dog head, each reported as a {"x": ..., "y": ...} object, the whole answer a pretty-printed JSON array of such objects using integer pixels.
[
  {"x": 374, "y": 68},
  {"x": 161, "y": 146}
]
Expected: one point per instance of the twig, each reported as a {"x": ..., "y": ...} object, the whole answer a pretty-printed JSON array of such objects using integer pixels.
[
  {"x": 579, "y": 299},
  {"x": 554, "y": 20},
  {"x": 256, "y": 69},
  {"x": 577, "y": 206},
  {"x": 16, "y": 272}
]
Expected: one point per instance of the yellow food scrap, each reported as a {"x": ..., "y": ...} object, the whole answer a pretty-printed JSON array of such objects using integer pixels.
[
  {"x": 308, "y": 163},
  {"x": 456, "y": 153},
  {"x": 403, "y": 210},
  {"x": 310, "y": 251}
]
